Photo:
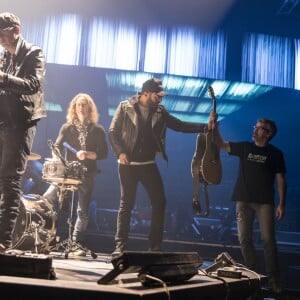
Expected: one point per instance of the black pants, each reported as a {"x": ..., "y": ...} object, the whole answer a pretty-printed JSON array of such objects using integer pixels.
[
  {"x": 15, "y": 145},
  {"x": 150, "y": 178}
]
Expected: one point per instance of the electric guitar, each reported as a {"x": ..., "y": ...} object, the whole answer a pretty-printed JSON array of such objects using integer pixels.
[{"x": 211, "y": 167}]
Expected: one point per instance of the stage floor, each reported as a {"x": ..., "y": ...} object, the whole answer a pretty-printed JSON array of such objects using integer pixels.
[{"x": 77, "y": 278}]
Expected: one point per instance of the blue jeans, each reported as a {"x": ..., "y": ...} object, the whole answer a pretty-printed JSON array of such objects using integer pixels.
[
  {"x": 15, "y": 145},
  {"x": 149, "y": 177},
  {"x": 246, "y": 213}
]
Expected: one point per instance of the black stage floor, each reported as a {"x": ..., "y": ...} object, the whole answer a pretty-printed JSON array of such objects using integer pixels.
[
  {"x": 77, "y": 278},
  {"x": 55, "y": 276}
]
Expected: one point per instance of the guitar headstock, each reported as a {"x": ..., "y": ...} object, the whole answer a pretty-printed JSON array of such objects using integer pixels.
[
  {"x": 213, "y": 97},
  {"x": 211, "y": 92}
]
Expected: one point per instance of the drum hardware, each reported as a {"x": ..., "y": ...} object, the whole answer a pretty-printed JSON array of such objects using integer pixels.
[
  {"x": 36, "y": 225},
  {"x": 56, "y": 152},
  {"x": 37, "y": 239},
  {"x": 69, "y": 245},
  {"x": 58, "y": 170}
]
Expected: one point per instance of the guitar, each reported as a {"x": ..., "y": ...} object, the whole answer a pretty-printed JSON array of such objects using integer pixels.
[
  {"x": 211, "y": 167},
  {"x": 206, "y": 165}
]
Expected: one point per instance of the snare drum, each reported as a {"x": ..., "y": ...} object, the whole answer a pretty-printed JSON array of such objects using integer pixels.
[
  {"x": 56, "y": 172},
  {"x": 36, "y": 224}
]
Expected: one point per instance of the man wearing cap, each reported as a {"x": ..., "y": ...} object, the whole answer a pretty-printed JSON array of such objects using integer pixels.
[
  {"x": 137, "y": 133},
  {"x": 22, "y": 72}
]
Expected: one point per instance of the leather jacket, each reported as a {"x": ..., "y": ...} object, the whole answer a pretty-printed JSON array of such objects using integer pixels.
[
  {"x": 21, "y": 93},
  {"x": 123, "y": 130}
]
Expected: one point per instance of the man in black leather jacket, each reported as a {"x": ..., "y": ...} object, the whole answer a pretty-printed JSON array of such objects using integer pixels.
[
  {"x": 137, "y": 133},
  {"x": 22, "y": 72}
]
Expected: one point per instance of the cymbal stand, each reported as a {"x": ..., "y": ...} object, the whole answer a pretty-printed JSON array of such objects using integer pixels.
[{"x": 69, "y": 245}]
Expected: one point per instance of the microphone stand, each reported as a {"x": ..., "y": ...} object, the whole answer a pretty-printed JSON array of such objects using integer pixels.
[{"x": 57, "y": 153}]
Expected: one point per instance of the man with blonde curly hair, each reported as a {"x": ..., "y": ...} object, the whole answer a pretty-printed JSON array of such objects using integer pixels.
[{"x": 86, "y": 136}]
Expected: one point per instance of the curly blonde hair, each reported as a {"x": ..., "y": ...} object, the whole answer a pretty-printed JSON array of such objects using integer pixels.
[{"x": 93, "y": 116}]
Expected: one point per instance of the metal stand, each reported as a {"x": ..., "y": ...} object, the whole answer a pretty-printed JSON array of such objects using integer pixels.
[
  {"x": 69, "y": 245},
  {"x": 37, "y": 240}
]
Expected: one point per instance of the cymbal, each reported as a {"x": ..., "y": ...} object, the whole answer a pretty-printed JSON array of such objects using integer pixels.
[{"x": 34, "y": 156}]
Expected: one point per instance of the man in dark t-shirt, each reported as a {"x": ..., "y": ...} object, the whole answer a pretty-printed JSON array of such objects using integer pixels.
[{"x": 259, "y": 164}]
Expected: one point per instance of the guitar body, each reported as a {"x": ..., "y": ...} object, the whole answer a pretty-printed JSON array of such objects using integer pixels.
[{"x": 211, "y": 166}]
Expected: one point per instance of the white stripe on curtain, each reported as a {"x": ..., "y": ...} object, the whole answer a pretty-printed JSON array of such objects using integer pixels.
[{"x": 268, "y": 60}]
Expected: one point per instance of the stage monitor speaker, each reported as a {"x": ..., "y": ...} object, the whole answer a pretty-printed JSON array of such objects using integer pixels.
[
  {"x": 33, "y": 266},
  {"x": 167, "y": 266}
]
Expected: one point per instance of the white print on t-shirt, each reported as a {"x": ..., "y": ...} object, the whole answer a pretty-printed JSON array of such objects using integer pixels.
[{"x": 256, "y": 158}]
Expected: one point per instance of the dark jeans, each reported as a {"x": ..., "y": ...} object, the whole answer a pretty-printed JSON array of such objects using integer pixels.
[
  {"x": 15, "y": 145},
  {"x": 84, "y": 195},
  {"x": 84, "y": 198},
  {"x": 150, "y": 178},
  {"x": 245, "y": 218}
]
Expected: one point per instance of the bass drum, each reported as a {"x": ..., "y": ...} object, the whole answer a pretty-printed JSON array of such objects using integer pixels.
[{"x": 36, "y": 225}]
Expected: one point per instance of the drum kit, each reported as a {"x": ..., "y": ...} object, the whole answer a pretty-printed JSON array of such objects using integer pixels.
[{"x": 35, "y": 228}]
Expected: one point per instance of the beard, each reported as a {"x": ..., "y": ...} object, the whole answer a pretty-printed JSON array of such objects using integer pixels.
[{"x": 153, "y": 105}]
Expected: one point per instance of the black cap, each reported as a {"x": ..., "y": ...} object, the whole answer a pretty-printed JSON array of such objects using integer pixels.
[
  {"x": 8, "y": 20},
  {"x": 154, "y": 85}
]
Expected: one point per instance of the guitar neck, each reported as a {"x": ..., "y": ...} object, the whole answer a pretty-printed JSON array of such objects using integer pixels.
[{"x": 214, "y": 106}]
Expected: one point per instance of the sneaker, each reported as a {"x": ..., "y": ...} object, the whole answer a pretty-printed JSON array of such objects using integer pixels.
[{"x": 79, "y": 252}]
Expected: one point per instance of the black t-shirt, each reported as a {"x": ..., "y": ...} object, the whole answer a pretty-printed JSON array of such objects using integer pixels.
[{"x": 257, "y": 169}]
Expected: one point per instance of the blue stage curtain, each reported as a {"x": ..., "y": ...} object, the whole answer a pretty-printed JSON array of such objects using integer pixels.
[{"x": 268, "y": 60}]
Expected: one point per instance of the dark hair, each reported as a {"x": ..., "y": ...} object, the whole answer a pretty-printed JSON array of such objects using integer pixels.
[
  {"x": 8, "y": 20},
  {"x": 153, "y": 85},
  {"x": 272, "y": 125}
]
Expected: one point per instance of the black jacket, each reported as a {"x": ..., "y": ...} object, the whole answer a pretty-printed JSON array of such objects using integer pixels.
[
  {"x": 21, "y": 93},
  {"x": 123, "y": 130}
]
